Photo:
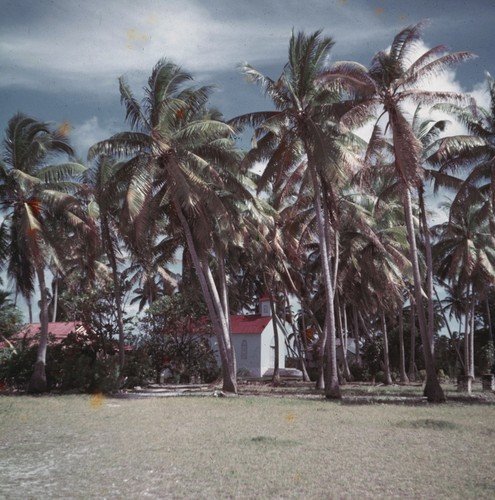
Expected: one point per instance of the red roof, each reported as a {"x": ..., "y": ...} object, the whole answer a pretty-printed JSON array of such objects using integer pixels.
[
  {"x": 57, "y": 331},
  {"x": 249, "y": 324}
]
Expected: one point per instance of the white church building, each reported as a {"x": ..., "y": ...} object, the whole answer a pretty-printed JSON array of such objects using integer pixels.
[{"x": 254, "y": 342}]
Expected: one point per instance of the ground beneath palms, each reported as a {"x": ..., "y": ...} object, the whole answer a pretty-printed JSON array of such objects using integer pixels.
[{"x": 245, "y": 447}]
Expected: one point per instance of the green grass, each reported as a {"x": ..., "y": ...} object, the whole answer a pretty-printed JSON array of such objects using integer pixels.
[{"x": 246, "y": 447}]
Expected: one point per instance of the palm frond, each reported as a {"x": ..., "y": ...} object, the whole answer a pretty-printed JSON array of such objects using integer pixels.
[
  {"x": 133, "y": 114},
  {"x": 123, "y": 144}
]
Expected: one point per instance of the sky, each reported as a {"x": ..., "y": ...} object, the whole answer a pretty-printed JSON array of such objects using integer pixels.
[{"x": 60, "y": 60}]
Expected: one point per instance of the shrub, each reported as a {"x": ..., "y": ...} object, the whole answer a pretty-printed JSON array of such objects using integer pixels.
[{"x": 359, "y": 373}]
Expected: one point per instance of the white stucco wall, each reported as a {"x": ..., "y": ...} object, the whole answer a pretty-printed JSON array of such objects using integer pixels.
[
  {"x": 252, "y": 358},
  {"x": 259, "y": 355},
  {"x": 268, "y": 351}
]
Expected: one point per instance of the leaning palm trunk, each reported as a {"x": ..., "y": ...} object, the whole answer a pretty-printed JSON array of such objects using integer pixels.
[
  {"x": 214, "y": 306},
  {"x": 433, "y": 391},
  {"x": 38, "y": 383}
]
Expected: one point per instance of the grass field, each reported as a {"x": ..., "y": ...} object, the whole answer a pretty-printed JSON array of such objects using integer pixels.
[{"x": 246, "y": 447}]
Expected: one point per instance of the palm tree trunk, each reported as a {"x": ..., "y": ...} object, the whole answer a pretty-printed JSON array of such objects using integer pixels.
[
  {"x": 386, "y": 358},
  {"x": 332, "y": 389},
  {"x": 38, "y": 383},
  {"x": 433, "y": 390},
  {"x": 489, "y": 317},
  {"x": 429, "y": 267},
  {"x": 55, "y": 299},
  {"x": 340, "y": 311},
  {"x": 276, "y": 362},
  {"x": 402, "y": 355},
  {"x": 455, "y": 342},
  {"x": 117, "y": 289},
  {"x": 214, "y": 306},
  {"x": 412, "y": 356},
  {"x": 355, "y": 322},
  {"x": 471, "y": 337}
]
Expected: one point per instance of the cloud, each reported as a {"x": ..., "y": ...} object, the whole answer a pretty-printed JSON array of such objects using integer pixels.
[
  {"x": 89, "y": 132},
  {"x": 86, "y": 45}
]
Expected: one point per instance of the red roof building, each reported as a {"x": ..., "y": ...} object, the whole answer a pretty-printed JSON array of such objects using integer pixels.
[{"x": 56, "y": 331}]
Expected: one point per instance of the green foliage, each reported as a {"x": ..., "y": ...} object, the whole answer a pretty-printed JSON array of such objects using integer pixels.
[
  {"x": 176, "y": 336},
  {"x": 487, "y": 357},
  {"x": 78, "y": 363},
  {"x": 16, "y": 370},
  {"x": 95, "y": 308},
  {"x": 373, "y": 355}
]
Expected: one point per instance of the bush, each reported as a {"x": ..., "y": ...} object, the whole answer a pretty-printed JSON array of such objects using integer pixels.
[
  {"x": 16, "y": 370},
  {"x": 359, "y": 373},
  {"x": 74, "y": 364}
]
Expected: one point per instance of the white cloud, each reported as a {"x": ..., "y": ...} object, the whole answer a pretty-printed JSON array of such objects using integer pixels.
[
  {"x": 84, "y": 135},
  {"x": 85, "y": 45}
]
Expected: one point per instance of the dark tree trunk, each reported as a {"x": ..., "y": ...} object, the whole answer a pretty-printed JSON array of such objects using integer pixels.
[
  {"x": 355, "y": 322},
  {"x": 332, "y": 389},
  {"x": 402, "y": 356},
  {"x": 386, "y": 359},
  {"x": 276, "y": 362},
  {"x": 433, "y": 390},
  {"x": 412, "y": 356},
  {"x": 425, "y": 230},
  {"x": 117, "y": 289},
  {"x": 214, "y": 306}
]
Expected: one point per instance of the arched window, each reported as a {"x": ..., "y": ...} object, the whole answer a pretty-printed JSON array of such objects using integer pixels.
[{"x": 244, "y": 347}]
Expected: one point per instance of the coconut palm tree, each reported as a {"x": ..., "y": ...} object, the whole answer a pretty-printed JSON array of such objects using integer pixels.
[
  {"x": 302, "y": 125},
  {"x": 182, "y": 158},
  {"x": 393, "y": 79},
  {"x": 465, "y": 253},
  {"x": 35, "y": 197},
  {"x": 474, "y": 152}
]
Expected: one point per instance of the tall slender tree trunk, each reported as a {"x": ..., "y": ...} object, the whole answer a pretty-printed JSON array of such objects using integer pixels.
[
  {"x": 117, "y": 290},
  {"x": 489, "y": 318},
  {"x": 214, "y": 306},
  {"x": 471, "y": 336},
  {"x": 342, "y": 329},
  {"x": 386, "y": 358},
  {"x": 30, "y": 309},
  {"x": 276, "y": 363},
  {"x": 332, "y": 389},
  {"x": 55, "y": 299},
  {"x": 402, "y": 355},
  {"x": 355, "y": 322},
  {"x": 303, "y": 349},
  {"x": 429, "y": 267},
  {"x": 224, "y": 294},
  {"x": 455, "y": 342},
  {"x": 38, "y": 382},
  {"x": 433, "y": 390},
  {"x": 467, "y": 348},
  {"x": 412, "y": 357}
]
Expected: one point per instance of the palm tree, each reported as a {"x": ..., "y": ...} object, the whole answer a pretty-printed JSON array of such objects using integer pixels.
[
  {"x": 465, "y": 252},
  {"x": 474, "y": 153},
  {"x": 34, "y": 197},
  {"x": 392, "y": 80},
  {"x": 302, "y": 125},
  {"x": 181, "y": 158}
]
